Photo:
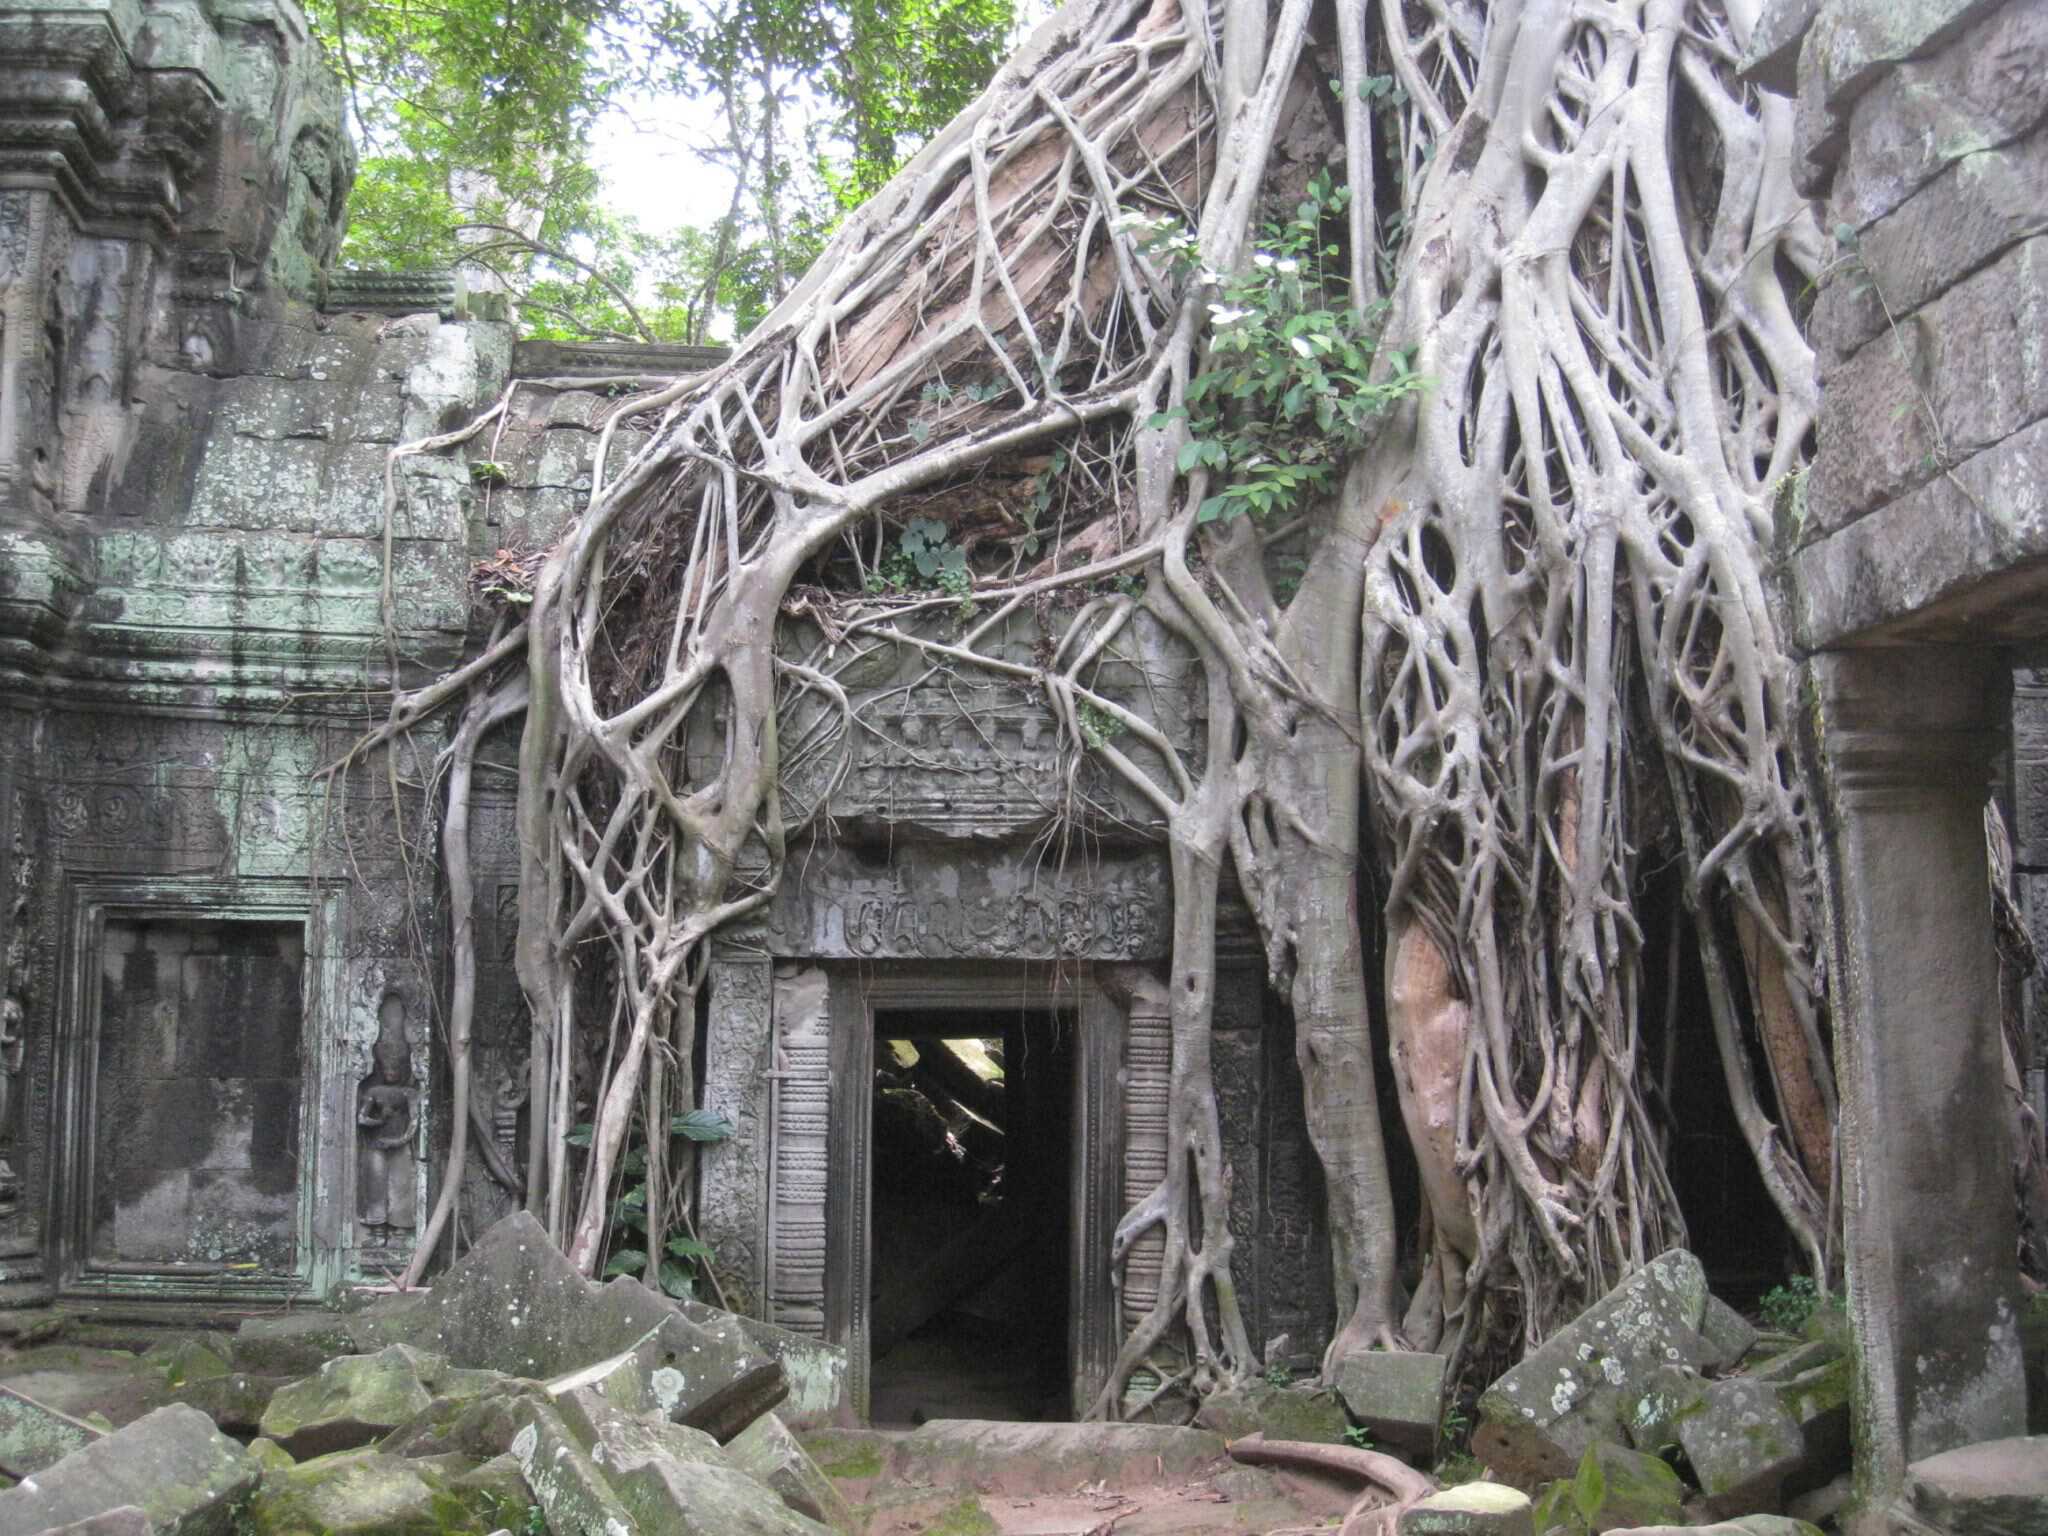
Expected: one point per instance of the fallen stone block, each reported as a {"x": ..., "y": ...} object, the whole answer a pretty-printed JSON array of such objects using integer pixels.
[
  {"x": 1993, "y": 1488},
  {"x": 1280, "y": 1413},
  {"x": 297, "y": 1344},
  {"x": 691, "y": 1499},
  {"x": 515, "y": 1304},
  {"x": 1616, "y": 1489},
  {"x": 1726, "y": 1334},
  {"x": 1471, "y": 1509},
  {"x": 1583, "y": 1384},
  {"x": 601, "y": 1427},
  {"x": 369, "y": 1493},
  {"x": 814, "y": 1370},
  {"x": 236, "y": 1402},
  {"x": 571, "y": 1492},
  {"x": 351, "y": 1401},
  {"x": 1396, "y": 1394},
  {"x": 1025, "y": 1459},
  {"x": 770, "y": 1454},
  {"x": 1743, "y": 1446},
  {"x": 192, "y": 1358},
  {"x": 128, "y": 1520},
  {"x": 1818, "y": 1398},
  {"x": 1674, "y": 1391},
  {"x": 184, "y": 1474},
  {"x": 33, "y": 1436}
]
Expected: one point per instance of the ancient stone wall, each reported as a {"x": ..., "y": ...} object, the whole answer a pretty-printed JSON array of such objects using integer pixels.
[{"x": 1923, "y": 135}]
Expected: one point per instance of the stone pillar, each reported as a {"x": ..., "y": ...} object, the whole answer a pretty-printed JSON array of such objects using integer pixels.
[{"x": 1905, "y": 739}]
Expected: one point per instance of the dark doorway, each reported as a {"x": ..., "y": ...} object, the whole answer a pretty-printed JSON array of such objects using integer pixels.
[{"x": 970, "y": 1211}]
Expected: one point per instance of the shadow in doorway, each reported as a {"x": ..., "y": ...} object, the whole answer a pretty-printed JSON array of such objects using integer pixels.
[{"x": 973, "y": 1156}]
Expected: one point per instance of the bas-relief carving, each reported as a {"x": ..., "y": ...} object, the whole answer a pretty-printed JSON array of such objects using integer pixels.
[
  {"x": 387, "y": 1123},
  {"x": 925, "y": 904}
]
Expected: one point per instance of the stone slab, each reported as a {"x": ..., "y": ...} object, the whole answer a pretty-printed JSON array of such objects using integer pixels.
[
  {"x": 351, "y": 1401},
  {"x": 1046, "y": 1458},
  {"x": 1958, "y": 560},
  {"x": 1947, "y": 382},
  {"x": 1993, "y": 1488},
  {"x": 1582, "y": 1384},
  {"x": 1306, "y": 1413},
  {"x": 1397, "y": 1394},
  {"x": 33, "y": 1436},
  {"x": 767, "y": 1452},
  {"x": 1743, "y": 1445},
  {"x": 172, "y": 1463},
  {"x": 1471, "y": 1509}
]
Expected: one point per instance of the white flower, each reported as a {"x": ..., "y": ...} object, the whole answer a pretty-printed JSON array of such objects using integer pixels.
[
  {"x": 1211, "y": 279},
  {"x": 1301, "y": 345},
  {"x": 1262, "y": 260},
  {"x": 1290, "y": 266},
  {"x": 1222, "y": 315}
]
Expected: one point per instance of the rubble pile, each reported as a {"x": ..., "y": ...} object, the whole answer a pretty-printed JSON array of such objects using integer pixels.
[{"x": 514, "y": 1396}]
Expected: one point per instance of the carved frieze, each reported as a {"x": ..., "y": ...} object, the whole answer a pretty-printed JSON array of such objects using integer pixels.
[{"x": 929, "y": 902}]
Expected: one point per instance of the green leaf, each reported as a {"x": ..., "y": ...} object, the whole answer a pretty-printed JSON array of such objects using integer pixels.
[
  {"x": 690, "y": 1248},
  {"x": 580, "y": 1137},
  {"x": 627, "y": 1261},
  {"x": 676, "y": 1282},
  {"x": 701, "y": 1125},
  {"x": 1211, "y": 509},
  {"x": 1189, "y": 456}
]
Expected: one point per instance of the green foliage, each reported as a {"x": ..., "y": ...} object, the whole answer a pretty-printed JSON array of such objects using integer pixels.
[
  {"x": 1278, "y": 1375},
  {"x": 1098, "y": 726},
  {"x": 1787, "y": 1307},
  {"x": 476, "y": 122},
  {"x": 925, "y": 560},
  {"x": 1291, "y": 384},
  {"x": 628, "y": 1230},
  {"x": 1359, "y": 1436}
]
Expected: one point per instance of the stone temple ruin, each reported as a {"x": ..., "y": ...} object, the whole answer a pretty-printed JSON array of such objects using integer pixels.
[{"x": 219, "y": 1091}]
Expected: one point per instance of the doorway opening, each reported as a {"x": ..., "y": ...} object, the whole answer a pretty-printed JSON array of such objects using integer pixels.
[{"x": 970, "y": 1211}]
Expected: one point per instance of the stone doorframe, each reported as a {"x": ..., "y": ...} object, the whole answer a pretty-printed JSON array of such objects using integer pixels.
[
  {"x": 327, "y": 1118},
  {"x": 857, "y": 995}
]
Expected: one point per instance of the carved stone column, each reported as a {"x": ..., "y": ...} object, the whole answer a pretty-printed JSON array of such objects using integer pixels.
[{"x": 1905, "y": 738}]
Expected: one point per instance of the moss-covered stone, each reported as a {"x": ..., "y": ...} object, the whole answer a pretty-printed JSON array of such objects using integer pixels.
[
  {"x": 848, "y": 1455},
  {"x": 767, "y": 1452},
  {"x": 367, "y": 1493},
  {"x": 351, "y": 1401},
  {"x": 172, "y": 1463},
  {"x": 967, "y": 1518},
  {"x": 1616, "y": 1488},
  {"x": 1471, "y": 1509},
  {"x": 1280, "y": 1413}
]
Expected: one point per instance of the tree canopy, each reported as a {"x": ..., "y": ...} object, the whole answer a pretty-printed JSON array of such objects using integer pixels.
[{"x": 477, "y": 120}]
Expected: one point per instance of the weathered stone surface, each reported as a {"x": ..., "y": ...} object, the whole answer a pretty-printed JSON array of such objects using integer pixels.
[
  {"x": 1725, "y": 1334},
  {"x": 1397, "y": 1394},
  {"x": 515, "y": 1304},
  {"x": 1994, "y": 1488},
  {"x": 813, "y": 1370},
  {"x": 1471, "y": 1509},
  {"x": 567, "y": 1485},
  {"x": 296, "y": 1344},
  {"x": 769, "y": 1453},
  {"x": 1616, "y": 1489},
  {"x": 1943, "y": 385},
  {"x": 1955, "y": 560},
  {"x": 128, "y": 1520},
  {"x": 1748, "y": 1525},
  {"x": 32, "y": 1436},
  {"x": 1743, "y": 1444},
  {"x": 692, "y": 1499},
  {"x": 236, "y": 1401},
  {"x": 1281, "y": 1413},
  {"x": 1984, "y": 90},
  {"x": 1963, "y": 219},
  {"x": 1042, "y": 1458},
  {"x": 1672, "y": 1392},
  {"x": 194, "y": 1358},
  {"x": 1848, "y": 46},
  {"x": 1818, "y": 1400},
  {"x": 1583, "y": 1383},
  {"x": 185, "y": 1474},
  {"x": 352, "y": 1401},
  {"x": 369, "y": 1493}
]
